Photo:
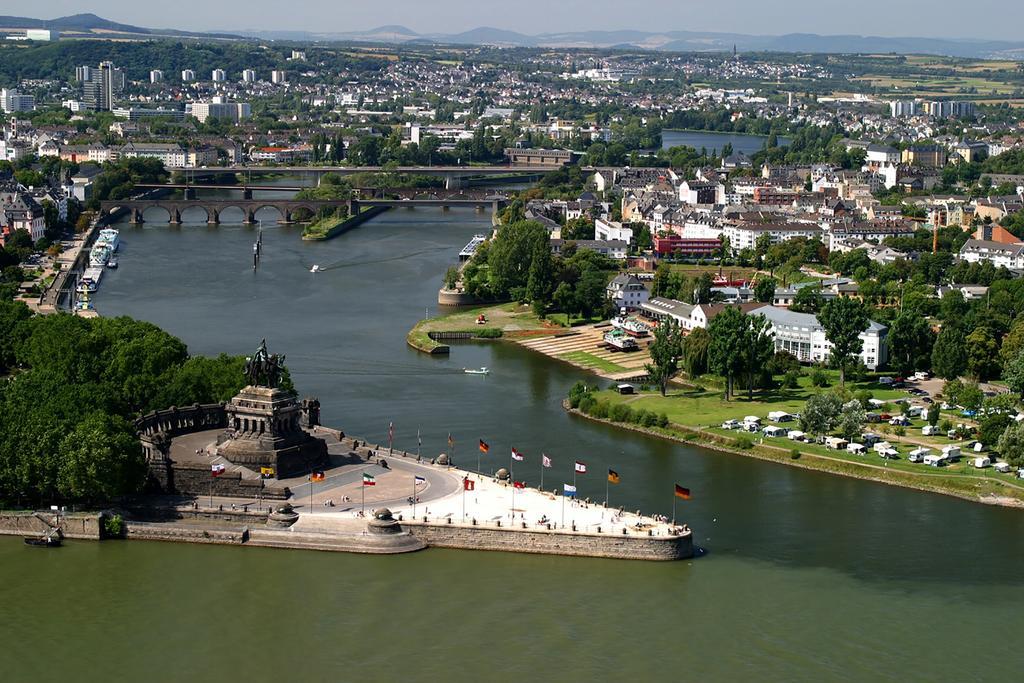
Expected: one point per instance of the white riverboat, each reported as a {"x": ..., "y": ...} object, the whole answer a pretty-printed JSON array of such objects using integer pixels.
[
  {"x": 632, "y": 327},
  {"x": 99, "y": 255},
  {"x": 618, "y": 340},
  {"x": 110, "y": 238}
]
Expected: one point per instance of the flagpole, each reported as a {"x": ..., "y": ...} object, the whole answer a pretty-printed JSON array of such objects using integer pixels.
[
  {"x": 673, "y": 507},
  {"x": 311, "y": 490},
  {"x": 542, "y": 456},
  {"x": 419, "y": 442},
  {"x": 362, "y": 497},
  {"x": 607, "y": 481},
  {"x": 563, "y": 507},
  {"x": 463, "y": 499},
  {"x": 414, "y": 496},
  {"x": 512, "y": 511}
]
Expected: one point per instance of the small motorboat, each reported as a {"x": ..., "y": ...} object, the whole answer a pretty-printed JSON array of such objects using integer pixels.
[
  {"x": 112, "y": 263},
  {"x": 481, "y": 371},
  {"x": 315, "y": 269},
  {"x": 50, "y": 540}
]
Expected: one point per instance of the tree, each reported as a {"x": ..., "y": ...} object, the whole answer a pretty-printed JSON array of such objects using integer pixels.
[
  {"x": 696, "y": 352},
  {"x": 992, "y": 426},
  {"x": 1011, "y": 444},
  {"x": 934, "y": 413},
  {"x": 949, "y": 357},
  {"x": 564, "y": 299},
  {"x": 982, "y": 354},
  {"x": 1013, "y": 373},
  {"x": 764, "y": 290},
  {"x": 851, "y": 419},
  {"x": 666, "y": 351},
  {"x": 910, "y": 343},
  {"x": 757, "y": 349},
  {"x": 727, "y": 332},
  {"x": 702, "y": 289},
  {"x": 844, "y": 320},
  {"x": 541, "y": 276},
  {"x": 807, "y": 300},
  {"x": 100, "y": 459},
  {"x": 660, "y": 282},
  {"x": 821, "y": 413}
]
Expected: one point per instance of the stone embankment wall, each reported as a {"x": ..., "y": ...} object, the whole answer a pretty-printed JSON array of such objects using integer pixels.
[
  {"x": 343, "y": 227},
  {"x": 83, "y": 525},
  {"x": 146, "y": 531},
  {"x": 609, "y": 545}
]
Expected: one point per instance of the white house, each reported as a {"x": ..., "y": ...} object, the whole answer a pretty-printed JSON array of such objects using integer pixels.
[
  {"x": 612, "y": 230},
  {"x": 626, "y": 291},
  {"x": 745, "y": 235},
  {"x": 998, "y": 253},
  {"x": 803, "y": 336}
]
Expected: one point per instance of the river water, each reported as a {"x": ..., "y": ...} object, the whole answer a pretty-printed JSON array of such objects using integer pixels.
[
  {"x": 806, "y": 576},
  {"x": 713, "y": 141}
]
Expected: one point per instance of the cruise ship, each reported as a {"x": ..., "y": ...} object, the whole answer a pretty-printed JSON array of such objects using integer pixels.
[
  {"x": 109, "y": 238},
  {"x": 99, "y": 255}
]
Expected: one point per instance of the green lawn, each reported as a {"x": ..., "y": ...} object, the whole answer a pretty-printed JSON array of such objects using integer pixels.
[
  {"x": 705, "y": 410},
  {"x": 592, "y": 361}
]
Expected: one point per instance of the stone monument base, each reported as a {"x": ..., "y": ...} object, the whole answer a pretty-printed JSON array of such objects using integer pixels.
[{"x": 264, "y": 431}]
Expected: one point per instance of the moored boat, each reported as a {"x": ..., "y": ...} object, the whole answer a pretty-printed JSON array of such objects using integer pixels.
[{"x": 618, "y": 340}]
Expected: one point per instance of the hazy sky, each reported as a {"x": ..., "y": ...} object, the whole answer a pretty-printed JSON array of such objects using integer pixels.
[{"x": 940, "y": 18}]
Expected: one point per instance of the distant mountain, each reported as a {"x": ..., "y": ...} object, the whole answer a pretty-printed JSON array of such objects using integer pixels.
[
  {"x": 695, "y": 41},
  {"x": 90, "y": 25}
]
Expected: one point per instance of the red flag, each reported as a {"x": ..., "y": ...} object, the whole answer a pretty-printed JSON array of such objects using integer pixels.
[
  {"x": 216, "y": 469},
  {"x": 518, "y": 485},
  {"x": 516, "y": 455},
  {"x": 581, "y": 467},
  {"x": 468, "y": 484},
  {"x": 546, "y": 461},
  {"x": 317, "y": 475}
]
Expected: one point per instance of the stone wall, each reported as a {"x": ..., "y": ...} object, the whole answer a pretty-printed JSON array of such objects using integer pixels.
[
  {"x": 76, "y": 525},
  {"x": 146, "y": 531},
  {"x": 194, "y": 480},
  {"x": 609, "y": 545}
]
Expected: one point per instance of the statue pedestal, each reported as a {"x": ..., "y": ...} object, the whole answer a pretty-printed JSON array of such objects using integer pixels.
[{"x": 265, "y": 431}]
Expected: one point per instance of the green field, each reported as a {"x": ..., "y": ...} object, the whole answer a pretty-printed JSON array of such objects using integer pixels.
[
  {"x": 591, "y": 361},
  {"x": 696, "y": 415}
]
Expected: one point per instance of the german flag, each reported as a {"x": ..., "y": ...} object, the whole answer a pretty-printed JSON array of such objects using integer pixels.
[
  {"x": 317, "y": 475},
  {"x": 682, "y": 492},
  {"x": 613, "y": 476},
  {"x": 483, "y": 446}
]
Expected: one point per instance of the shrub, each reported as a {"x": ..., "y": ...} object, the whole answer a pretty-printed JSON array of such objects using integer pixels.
[
  {"x": 587, "y": 403},
  {"x": 113, "y": 526},
  {"x": 819, "y": 377},
  {"x": 791, "y": 380},
  {"x": 600, "y": 410},
  {"x": 794, "y": 454},
  {"x": 663, "y": 420},
  {"x": 744, "y": 442},
  {"x": 648, "y": 418},
  {"x": 864, "y": 397},
  {"x": 489, "y": 333},
  {"x": 620, "y": 412}
]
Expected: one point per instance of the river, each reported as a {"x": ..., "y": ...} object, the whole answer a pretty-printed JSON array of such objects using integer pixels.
[
  {"x": 806, "y": 576},
  {"x": 713, "y": 141}
]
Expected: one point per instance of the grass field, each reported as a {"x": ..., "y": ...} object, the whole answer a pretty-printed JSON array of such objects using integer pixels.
[
  {"x": 589, "y": 360},
  {"x": 697, "y": 415},
  {"x": 511, "y": 318}
]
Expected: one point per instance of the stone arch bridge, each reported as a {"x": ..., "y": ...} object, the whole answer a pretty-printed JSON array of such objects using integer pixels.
[{"x": 287, "y": 208}]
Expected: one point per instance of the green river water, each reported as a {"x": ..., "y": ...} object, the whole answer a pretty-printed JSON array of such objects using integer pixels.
[{"x": 805, "y": 577}]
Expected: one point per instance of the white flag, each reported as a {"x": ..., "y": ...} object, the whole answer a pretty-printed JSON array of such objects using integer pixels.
[{"x": 581, "y": 467}]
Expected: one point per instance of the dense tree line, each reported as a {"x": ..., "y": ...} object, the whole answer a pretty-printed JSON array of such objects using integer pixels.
[
  {"x": 518, "y": 265},
  {"x": 73, "y": 387}
]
